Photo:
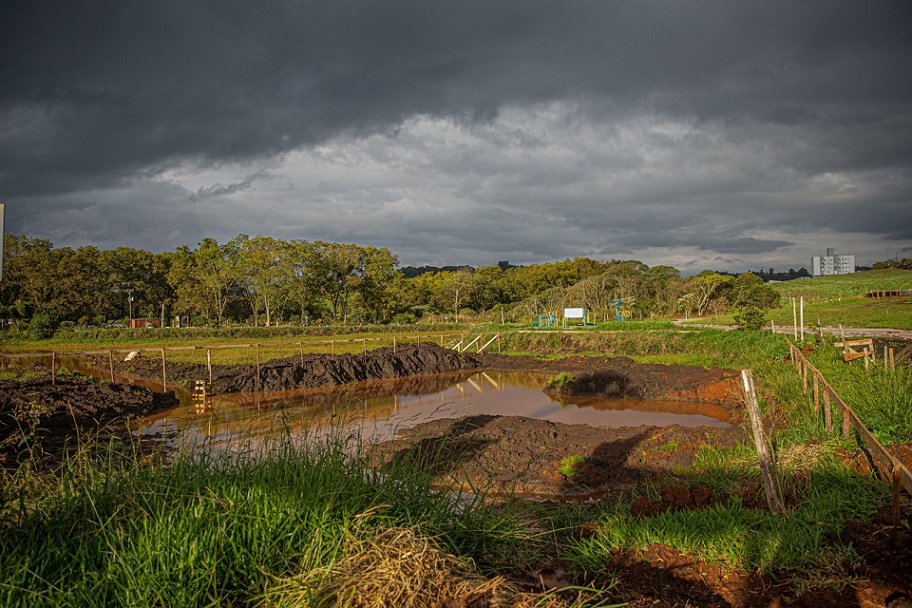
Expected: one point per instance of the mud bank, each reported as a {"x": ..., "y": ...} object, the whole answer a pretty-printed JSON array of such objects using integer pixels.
[
  {"x": 542, "y": 459},
  {"x": 48, "y": 419}
]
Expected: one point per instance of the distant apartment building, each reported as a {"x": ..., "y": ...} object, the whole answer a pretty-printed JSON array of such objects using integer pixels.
[{"x": 831, "y": 263}]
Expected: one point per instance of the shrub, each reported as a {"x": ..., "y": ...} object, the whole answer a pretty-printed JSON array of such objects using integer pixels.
[{"x": 750, "y": 318}]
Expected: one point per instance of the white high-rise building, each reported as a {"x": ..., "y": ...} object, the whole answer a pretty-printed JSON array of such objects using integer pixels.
[{"x": 831, "y": 263}]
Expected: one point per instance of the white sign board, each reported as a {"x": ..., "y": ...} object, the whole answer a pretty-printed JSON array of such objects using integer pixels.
[{"x": 574, "y": 313}]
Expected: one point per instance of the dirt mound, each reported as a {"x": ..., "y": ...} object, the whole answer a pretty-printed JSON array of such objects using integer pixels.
[
  {"x": 542, "y": 458},
  {"x": 48, "y": 418},
  {"x": 310, "y": 371},
  {"x": 328, "y": 370}
]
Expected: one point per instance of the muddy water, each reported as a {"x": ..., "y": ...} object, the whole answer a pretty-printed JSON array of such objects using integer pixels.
[{"x": 376, "y": 410}]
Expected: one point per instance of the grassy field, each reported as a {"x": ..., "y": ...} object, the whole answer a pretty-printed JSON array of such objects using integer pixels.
[
  {"x": 285, "y": 526},
  {"x": 845, "y": 286},
  {"x": 840, "y": 300}
]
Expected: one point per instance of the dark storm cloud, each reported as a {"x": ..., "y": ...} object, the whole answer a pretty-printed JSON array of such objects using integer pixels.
[{"x": 100, "y": 100}]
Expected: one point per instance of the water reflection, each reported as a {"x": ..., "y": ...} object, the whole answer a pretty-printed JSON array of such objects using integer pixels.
[{"x": 376, "y": 410}]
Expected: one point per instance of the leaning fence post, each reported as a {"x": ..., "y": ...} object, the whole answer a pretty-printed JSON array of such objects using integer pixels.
[
  {"x": 209, "y": 363},
  {"x": 111, "y": 364},
  {"x": 301, "y": 349},
  {"x": 767, "y": 467}
]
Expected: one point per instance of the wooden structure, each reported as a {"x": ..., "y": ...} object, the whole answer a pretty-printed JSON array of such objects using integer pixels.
[
  {"x": 856, "y": 349},
  {"x": 890, "y": 466}
]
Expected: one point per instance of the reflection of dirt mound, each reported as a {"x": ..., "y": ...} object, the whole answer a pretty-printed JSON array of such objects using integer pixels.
[
  {"x": 50, "y": 415},
  {"x": 328, "y": 396},
  {"x": 622, "y": 377}
]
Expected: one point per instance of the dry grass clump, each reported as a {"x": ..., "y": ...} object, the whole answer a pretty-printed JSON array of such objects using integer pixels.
[{"x": 398, "y": 567}]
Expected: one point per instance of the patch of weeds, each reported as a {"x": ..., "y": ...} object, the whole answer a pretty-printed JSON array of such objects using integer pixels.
[
  {"x": 570, "y": 465},
  {"x": 560, "y": 380},
  {"x": 671, "y": 446}
]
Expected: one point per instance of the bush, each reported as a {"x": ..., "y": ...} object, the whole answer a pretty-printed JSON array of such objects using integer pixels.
[
  {"x": 44, "y": 323},
  {"x": 750, "y": 318}
]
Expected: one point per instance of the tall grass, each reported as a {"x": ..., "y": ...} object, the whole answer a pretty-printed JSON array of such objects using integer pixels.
[
  {"x": 882, "y": 399},
  {"x": 214, "y": 529}
]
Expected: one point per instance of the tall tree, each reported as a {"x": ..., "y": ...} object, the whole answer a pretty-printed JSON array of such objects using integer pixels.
[{"x": 265, "y": 270}]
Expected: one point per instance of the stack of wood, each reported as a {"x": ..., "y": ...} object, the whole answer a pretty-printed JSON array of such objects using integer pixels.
[{"x": 855, "y": 349}]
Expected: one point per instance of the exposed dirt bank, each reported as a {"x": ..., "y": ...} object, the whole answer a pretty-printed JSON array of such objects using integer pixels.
[
  {"x": 544, "y": 459},
  {"x": 49, "y": 418}
]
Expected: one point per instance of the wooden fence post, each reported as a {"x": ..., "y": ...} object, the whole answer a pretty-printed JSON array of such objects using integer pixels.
[
  {"x": 164, "y": 373},
  {"x": 111, "y": 364},
  {"x": 53, "y": 368},
  {"x": 209, "y": 363},
  {"x": 332, "y": 346},
  {"x": 301, "y": 349},
  {"x": 767, "y": 467},
  {"x": 816, "y": 392},
  {"x": 257, "y": 385},
  {"x": 846, "y": 423},
  {"x": 827, "y": 413},
  {"x": 364, "y": 342},
  {"x": 897, "y": 488},
  {"x": 394, "y": 345}
]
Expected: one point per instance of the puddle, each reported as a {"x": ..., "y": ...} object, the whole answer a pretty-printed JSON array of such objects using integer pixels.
[{"x": 376, "y": 410}]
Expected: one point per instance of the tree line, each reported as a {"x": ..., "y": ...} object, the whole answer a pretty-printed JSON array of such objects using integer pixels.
[{"x": 263, "y": 280}]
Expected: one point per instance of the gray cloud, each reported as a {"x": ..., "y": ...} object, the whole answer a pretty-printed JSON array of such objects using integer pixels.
[{"x": 704, "y": 133}]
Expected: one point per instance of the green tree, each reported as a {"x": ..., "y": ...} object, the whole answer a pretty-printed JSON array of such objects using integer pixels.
[
  {"x": 203, "y": 278},
  {"x": 265, "y": 271},
  {"x": 377, "y": 273},
  {"x": 707, "y": 285},
  {"x": 750, "y": 291}
]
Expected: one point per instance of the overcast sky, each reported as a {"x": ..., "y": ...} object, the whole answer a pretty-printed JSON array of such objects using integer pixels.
[{"x": 725, "y": 135}]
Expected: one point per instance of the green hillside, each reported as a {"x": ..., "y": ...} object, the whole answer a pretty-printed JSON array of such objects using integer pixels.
[{"x": 847, "y": 285}]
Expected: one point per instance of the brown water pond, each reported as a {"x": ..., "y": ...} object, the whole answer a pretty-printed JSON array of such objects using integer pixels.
[{"x": 377, "y": 410}]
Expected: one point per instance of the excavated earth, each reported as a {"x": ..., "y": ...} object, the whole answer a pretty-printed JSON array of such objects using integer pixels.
[{"x": 43, "y": 420}]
